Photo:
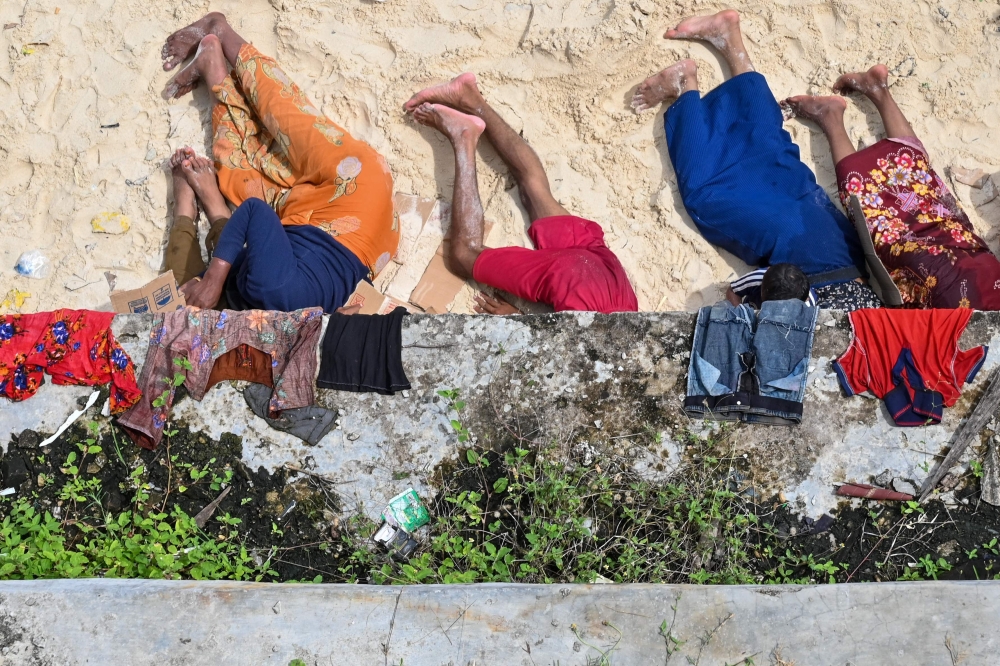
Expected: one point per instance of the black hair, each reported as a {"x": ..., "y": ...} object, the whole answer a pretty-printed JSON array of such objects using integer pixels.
[{"x": 784, "y": 282}]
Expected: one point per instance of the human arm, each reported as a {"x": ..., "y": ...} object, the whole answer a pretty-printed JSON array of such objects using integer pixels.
[{"x": 493, "y": 305}]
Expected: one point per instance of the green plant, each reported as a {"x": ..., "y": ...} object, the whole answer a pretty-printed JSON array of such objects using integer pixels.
[
  {"x": 527, "y": 517},
  {"x": 452, "y": 400}
]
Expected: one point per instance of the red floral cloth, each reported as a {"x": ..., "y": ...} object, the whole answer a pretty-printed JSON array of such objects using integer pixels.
[
  {"x": 75, "y": 347},
  {"x": 919, "y": 230}
]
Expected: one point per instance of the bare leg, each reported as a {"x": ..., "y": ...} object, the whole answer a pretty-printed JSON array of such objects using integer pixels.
[
  {"x": 463, "y": 94},
  {"x": 466, "y": 208},
  {"x": 209, "y": 64},
  {"x": 874, "y": 84},
  {"x": 183, "y": 253},
  {"x": 671, "y": 83},
  {"x": 828, "y": 113},
  {"x": 722, "y": 31},
  {"x": 200, "y": 175},
  {"x": 185, "y": 201},
  {"x": 182, "y": 44}
]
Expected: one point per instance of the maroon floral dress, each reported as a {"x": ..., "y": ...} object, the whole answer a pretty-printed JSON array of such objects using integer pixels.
[{"x": 919, "y": 230}]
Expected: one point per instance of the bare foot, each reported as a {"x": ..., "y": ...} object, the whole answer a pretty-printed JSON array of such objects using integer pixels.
[
  {"x": 457, "y": 126},
  {"x": 717, "y": 29},
  {"x": 460, "y": 93},
  {"x": 185, "y": 203},
  {"x": 668, "y": 84},
  {"x": 199, "y": 172},
  {"x": 182, "y": 44},
  {"x": 817, "y": 109},
  {"x": 209, "y": 63},
  {"x": 872, "y": 82}
]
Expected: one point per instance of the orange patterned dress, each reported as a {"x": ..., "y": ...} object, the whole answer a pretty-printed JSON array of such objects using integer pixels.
[{"x": 272, "y": 143}]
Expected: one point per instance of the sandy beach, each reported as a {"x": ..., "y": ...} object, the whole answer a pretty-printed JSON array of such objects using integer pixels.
[{"x": 84, "y": 130}]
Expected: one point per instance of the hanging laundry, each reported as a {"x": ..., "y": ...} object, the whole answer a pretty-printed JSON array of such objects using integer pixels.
[
  {"x": 283, "y": 341},
  {"x": 74, "y": 347},
  {"x": 909, "y": 359},
  {"x": 363, "y": 353},
  {"x": 751, "y": 367}
]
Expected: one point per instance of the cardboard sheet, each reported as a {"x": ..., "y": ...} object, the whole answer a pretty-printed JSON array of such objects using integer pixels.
[
  {"x": 373, "y": 302},
  {"x": 160, "y": 295}
]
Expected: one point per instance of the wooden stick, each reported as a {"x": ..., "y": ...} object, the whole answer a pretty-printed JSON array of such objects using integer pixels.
[{"x": 980, "y": 416}]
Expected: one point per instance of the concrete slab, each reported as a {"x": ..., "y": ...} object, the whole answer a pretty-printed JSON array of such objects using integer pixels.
[
  {"x": 574, "y": 380},
  {"x": 165, "y": 622}
]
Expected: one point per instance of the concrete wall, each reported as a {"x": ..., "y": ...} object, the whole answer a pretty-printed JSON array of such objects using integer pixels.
[
  {"x": 570, "y": 379},
  {"x": 162, "y": 623}
]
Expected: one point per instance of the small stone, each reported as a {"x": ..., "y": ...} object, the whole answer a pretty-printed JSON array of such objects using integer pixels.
[
  {"x": 28, "y": 439},
  {"x": 904, "y": 486},
  {"x": 948, "y": 548},
  {"x": 972, "y": 177},
  {"x": 884, "y": 479}
]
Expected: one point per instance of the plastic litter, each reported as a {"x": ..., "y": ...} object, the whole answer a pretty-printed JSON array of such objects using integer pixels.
[
  {"x": 110, "y": 223},
  {"x": 13, "y": 300},
  {"x": 72, "y": 418},
  {"x": 406, "y": 511},
  {"x": 33, "y": 264},
  {"x": 404, "y": 514}
]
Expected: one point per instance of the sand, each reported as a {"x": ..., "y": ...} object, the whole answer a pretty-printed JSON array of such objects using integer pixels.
[{"x": 562, "y": 72}]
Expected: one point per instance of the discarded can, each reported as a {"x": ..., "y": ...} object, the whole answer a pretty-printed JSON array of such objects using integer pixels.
[
  {"x": 33, "y": 264},
  {"x": 406, "y": 511},
  {"x": 395, "y": 540}
]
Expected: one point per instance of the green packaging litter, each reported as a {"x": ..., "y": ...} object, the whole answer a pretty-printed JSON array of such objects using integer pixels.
[{"x": 406, "y": 511}]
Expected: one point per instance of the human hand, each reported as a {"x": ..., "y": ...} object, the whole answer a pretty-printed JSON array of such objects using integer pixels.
[
  {"x": 349, "y": 309},
  {"x": 494, "y": 305},
  {"x": 201, "y": 293}
]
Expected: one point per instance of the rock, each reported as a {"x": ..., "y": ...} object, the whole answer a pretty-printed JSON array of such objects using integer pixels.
[
  {"x": 883, "y": 479},
  {"x": 948, "y": 548},
  {"x": 904, "y": 486},
  {"x": 972, "y": 177},
  {"x": 28, "y": 439},
  {"x": 13, "y": 471}
]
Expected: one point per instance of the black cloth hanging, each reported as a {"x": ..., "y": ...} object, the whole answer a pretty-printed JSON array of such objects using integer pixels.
[{"x": 364, "y": 353}]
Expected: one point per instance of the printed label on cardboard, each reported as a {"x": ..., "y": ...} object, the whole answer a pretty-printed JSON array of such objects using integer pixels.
[{"x": 160, "y": 295}]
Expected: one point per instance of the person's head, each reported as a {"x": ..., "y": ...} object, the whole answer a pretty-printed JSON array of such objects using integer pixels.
[{"x": 783, "y": 282}]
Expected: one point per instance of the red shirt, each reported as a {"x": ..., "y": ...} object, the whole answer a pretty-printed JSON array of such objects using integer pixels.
[
  {"x": 72, "y": 346},
  {"x": 571, "y": 269},
  {"x": 910, "y": 359}
]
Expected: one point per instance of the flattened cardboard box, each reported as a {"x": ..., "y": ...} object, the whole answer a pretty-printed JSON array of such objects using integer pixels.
[
  {"x": 438, "y": 286},
  {"x": 372, "y": 301},
  {"x": 159, "y": 295}
]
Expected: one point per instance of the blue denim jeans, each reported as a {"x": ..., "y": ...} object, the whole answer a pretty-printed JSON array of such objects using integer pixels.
[{"x": 748, "y": 366}]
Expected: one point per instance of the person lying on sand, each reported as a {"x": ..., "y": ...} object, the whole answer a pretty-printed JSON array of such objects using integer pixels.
[
  {"x": 740, "y": 176},
  {"x": 314, "y": 209},
  {"x": 919, "y": 230},
  {"x": 194, "y": 183},
  {"x": 571, "y": 267}
]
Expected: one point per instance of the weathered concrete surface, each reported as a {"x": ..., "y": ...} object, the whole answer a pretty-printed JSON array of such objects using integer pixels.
[
  {"x": 189, "y": 623},
  {"x": 612, "y": 382}
]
